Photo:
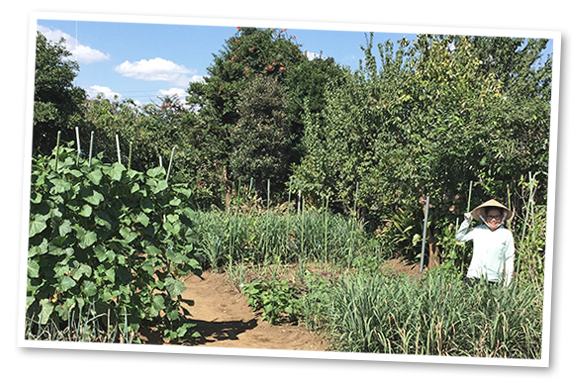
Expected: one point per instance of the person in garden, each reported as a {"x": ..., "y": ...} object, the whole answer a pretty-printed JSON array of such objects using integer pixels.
[{"x": 493, "y": 245}]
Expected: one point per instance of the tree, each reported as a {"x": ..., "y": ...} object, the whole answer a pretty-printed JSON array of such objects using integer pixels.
[
  {"x": 58, "y": 103},
  {"x": 268, "y": 60},
  {"x": 261, "y": 139},
  {"x": 431, "y": 117}
]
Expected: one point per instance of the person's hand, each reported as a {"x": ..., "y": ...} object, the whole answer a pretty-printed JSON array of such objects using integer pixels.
[{"x": 467, "y": 216}]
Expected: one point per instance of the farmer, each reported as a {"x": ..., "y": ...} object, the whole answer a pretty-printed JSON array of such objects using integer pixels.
[{"x": 493, "y": 246}]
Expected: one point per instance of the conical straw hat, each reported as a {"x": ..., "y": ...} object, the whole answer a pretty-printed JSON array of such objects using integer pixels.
[{"x": 480, "y": 210}]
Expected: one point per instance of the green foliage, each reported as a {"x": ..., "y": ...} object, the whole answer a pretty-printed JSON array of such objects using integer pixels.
[
  {"x": 434, "y": 115},
  {"x": 110, "y": 241},
  {"x": 261, "y": 139},
  {"x": 438, "y": 316},
  {"x": 58, "y": 104},
  {"x": 278, "y": 300}
]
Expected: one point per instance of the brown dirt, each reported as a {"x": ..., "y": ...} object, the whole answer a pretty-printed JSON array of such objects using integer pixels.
[
  {"x": 399, "y": 266},
  {"x": 224, "y": 319}
]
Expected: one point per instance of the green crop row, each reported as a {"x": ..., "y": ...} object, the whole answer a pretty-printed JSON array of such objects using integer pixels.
[
  {"x": 376, "y": 313},
  {"x": 106, "y": 243}
]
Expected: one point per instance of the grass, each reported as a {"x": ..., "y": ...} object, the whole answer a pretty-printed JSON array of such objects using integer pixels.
[
  {"x": 372, "y": 312},
  {"x": 275, "y": 238}
]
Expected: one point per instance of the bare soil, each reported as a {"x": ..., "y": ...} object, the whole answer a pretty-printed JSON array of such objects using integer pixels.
[{"x": 224, "y": 319}]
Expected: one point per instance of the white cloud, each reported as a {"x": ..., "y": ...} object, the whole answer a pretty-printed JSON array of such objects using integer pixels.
[
  {"x": 95, "y": 90},
  {"x": 312, "y": 55},
  {"x": 158, "y": 69},
  {"x": 178, "y": 92},
  {"x": 80, "y": 53}
]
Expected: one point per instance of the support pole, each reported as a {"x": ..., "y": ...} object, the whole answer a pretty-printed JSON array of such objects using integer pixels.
[
  {"x": 91, "y": 147},
  {"x": 130, "y": 157},
  {"x": 118, "y": 149},
  {"x": 424, "y": 235},
  {"x": 57, "y": 150},
  {"x": 170, "y": 164},
  {"x": 268, "y": 194},
  {"x": 78, "y": 144}
]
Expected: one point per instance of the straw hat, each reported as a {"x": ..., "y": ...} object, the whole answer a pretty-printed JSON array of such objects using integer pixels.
[{"x": 480, "y": 210}]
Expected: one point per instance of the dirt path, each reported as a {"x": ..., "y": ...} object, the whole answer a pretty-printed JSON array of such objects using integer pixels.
[{"x": 224, "y": 319}]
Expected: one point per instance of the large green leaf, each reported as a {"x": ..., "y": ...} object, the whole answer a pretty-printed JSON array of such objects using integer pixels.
[
  {"x": 65, "y": 228},
  {"x": 47, "y": 309},
  {"x": 86, "y": 211},
  {"x": 156, "y": 172},
  {"x": 33, "y": 269},
  {"x": 174, "y": 287},
  {"x": 89, "y": 288},
  {"x": 116, "y": 171},
  {"x": 93, "y": 197},
  {"x": 36, "y": 227},
  {"x": 158, "y": 302},
  {"x": 60, "y": 186},
  {"x": 95, "y": 176},
  {"x": 143, "y": 219},
  {"x": 86, "y": 238},
  {"x": 67, "y": 283},
  {"x": 160, "y": 186},
  {"x": 128, "y": 234}
]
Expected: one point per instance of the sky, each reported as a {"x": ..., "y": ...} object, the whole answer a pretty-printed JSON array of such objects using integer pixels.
[{"x": 146, "y": 61}]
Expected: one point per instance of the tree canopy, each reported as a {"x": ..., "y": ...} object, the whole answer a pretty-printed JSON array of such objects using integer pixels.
[{"x": 418, "y": 118}]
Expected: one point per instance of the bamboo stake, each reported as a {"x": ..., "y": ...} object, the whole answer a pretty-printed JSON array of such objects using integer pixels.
[
  {"x": 268, "y": 193},
  {"x": 91, "y": 146},
  {"x": 170, "y": 165},
  {"x": 130, "y": 157},
  {"x": 424, "y": 234},
  {"x": 78, "y": 144},
  {"x": 118, "y": 149},
  {"x": 355, "y": 200},
  {"x": 289, "y": 195},
  {"x": 325, "y": 227},
  {"x": 57, "y": 150},
  {"x": 469, "y": 197}
]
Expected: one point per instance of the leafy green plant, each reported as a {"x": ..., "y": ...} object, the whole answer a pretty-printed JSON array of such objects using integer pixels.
[
  {"x": 278, "y": 300},
  {"x": 109, "y": 241}
]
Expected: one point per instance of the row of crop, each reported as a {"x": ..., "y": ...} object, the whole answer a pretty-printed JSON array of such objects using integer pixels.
[
  {"x": 438, "y": 316},
  {"x": 375, "y": 311},
  {"x": 106, "y": 246},
  {"x": 274, "y": 237}
]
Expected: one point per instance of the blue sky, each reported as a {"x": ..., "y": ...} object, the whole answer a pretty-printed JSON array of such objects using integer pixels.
[{"x": 143, "y": 61}]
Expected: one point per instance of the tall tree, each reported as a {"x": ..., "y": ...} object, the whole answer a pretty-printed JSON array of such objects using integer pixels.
[
  {"x": 235, "y": 117},
  {"x": 58, "y": 102},
  {"x": 430, "y": 118}
]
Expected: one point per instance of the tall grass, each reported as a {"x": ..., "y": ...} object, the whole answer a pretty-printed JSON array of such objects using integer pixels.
[
  {"x": 372, "y": 312},
  {"x": 273, "y": 237}
]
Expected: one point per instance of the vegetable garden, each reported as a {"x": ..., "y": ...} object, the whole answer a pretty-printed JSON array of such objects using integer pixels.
[{"x": 300, "y": 191}]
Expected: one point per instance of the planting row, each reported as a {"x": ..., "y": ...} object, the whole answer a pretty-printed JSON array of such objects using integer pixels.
[{"x": 106, "y": 246}]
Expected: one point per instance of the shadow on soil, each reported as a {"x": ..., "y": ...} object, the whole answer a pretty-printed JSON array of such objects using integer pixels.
[{"x": 216, "y": 331}]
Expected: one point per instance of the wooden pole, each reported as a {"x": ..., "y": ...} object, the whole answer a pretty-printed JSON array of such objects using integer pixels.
[
  {"x": 78, "y": 145},
  {"x": 91, "y": 146},
  {"x": 57, "y": 150},
  {"x": 424, "y": 234},
  {"x": 170, "y": 164},
  {"x": 118, "y": 149}
]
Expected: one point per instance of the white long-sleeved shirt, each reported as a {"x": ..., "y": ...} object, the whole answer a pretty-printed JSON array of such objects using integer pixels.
[{"x": 493, "y": 252}]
